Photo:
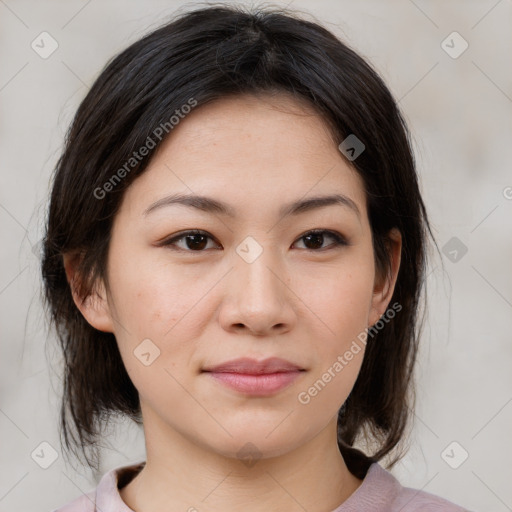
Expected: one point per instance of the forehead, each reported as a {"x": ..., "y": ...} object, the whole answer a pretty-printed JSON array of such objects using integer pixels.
[
  {"x": 278, "y": 121},
  {"x": 250, "y": 150}
]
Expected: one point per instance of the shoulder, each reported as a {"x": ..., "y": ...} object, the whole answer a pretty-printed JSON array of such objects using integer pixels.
[
  {"x": 84, "y": 503},
  {"x": 414, "y": 500},
  {"x": 381, "y": 490},
  {"x": 407, "y": 499},
  {"x": 105, "y": 497}
]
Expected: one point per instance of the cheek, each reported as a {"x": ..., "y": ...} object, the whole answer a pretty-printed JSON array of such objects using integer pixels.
[
  {"x": 342, "y": 309},
  {"x": 340, "y": 302},
  {"x": 340, "y": 298},
  {"x": 327, "y": 390},
  {"x": 149, "y": 296},
  {"x": 138, "y": 300},
  {"x": 154, "y": 335}
]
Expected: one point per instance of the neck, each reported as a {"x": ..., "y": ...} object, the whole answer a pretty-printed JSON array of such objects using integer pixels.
[{"x": 180, "y": 475}]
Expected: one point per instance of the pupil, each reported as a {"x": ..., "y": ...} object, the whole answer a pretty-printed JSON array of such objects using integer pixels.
[
  {"x": 316, "y": 237},
  {"x": 194, "y": 245}
]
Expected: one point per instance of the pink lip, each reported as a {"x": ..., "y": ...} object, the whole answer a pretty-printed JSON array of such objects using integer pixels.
[
  {"x": 257, "y": 385},
  {"x": 253, "y": 367},
  {"x": 256, "y": 378}
]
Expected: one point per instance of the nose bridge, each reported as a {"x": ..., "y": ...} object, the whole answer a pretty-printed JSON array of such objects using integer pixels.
[
  {"x": 257, "y": 266},
  {"x": 259, "y": 296}
]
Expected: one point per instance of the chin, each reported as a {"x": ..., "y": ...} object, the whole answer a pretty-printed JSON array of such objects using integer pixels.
[{"x": 249, "y": 447}]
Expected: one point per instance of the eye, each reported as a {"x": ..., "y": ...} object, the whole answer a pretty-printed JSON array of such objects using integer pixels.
[
  {"x": 197, "y": 240},
  {"x": 194, "y": 240},
  {"x": 316, "y": 237}
]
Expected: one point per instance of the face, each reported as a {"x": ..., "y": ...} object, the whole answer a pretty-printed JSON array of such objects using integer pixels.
[{"x": 260, "y": 280}]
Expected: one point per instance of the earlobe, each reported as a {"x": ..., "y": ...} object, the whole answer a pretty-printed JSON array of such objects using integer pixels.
[
  {"x": 94, "y": 307},
  {"x": 385, "y": 286}
]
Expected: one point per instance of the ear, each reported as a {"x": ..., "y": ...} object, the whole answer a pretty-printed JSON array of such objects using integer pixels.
[
  {"x": 384, "y": 285},
  {"x": 94, "y": 308}
]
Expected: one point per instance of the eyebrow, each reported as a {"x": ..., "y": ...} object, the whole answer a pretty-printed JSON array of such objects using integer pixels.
[{"x": 211, "y": 205}]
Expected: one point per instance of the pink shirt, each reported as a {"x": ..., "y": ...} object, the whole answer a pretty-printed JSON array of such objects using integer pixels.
[{"x": 380, "y": 491}]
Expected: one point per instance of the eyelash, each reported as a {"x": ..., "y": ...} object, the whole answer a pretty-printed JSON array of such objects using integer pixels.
[{"x": 339, "y": 240}]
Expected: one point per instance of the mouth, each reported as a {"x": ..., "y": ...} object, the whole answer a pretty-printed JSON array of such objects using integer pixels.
[
  {"x": 263, "y": 384},
  {"x": 250, "y": 366},
  {"x": 256, "y": 378}
]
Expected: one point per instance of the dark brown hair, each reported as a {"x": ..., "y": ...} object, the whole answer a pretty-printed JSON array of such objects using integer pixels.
[{"x": 208, "y": 54}]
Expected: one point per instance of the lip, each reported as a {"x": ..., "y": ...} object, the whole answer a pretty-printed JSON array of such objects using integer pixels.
[
  {"x": 256, "y": 378},
  {"x": 250, "y": 366}
]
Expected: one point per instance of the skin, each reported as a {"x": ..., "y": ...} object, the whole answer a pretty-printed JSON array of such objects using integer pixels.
[{"x": 303, "y": 302}]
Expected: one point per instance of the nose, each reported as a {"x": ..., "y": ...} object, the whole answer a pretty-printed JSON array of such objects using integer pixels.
[{"x": 257, "y": 298}]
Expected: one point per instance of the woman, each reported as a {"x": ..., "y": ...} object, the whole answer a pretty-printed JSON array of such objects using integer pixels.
[{"x": 234, "y": 258}]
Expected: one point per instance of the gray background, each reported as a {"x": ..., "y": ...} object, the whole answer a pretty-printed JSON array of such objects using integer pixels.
[{"x": 459, "y": 111}]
